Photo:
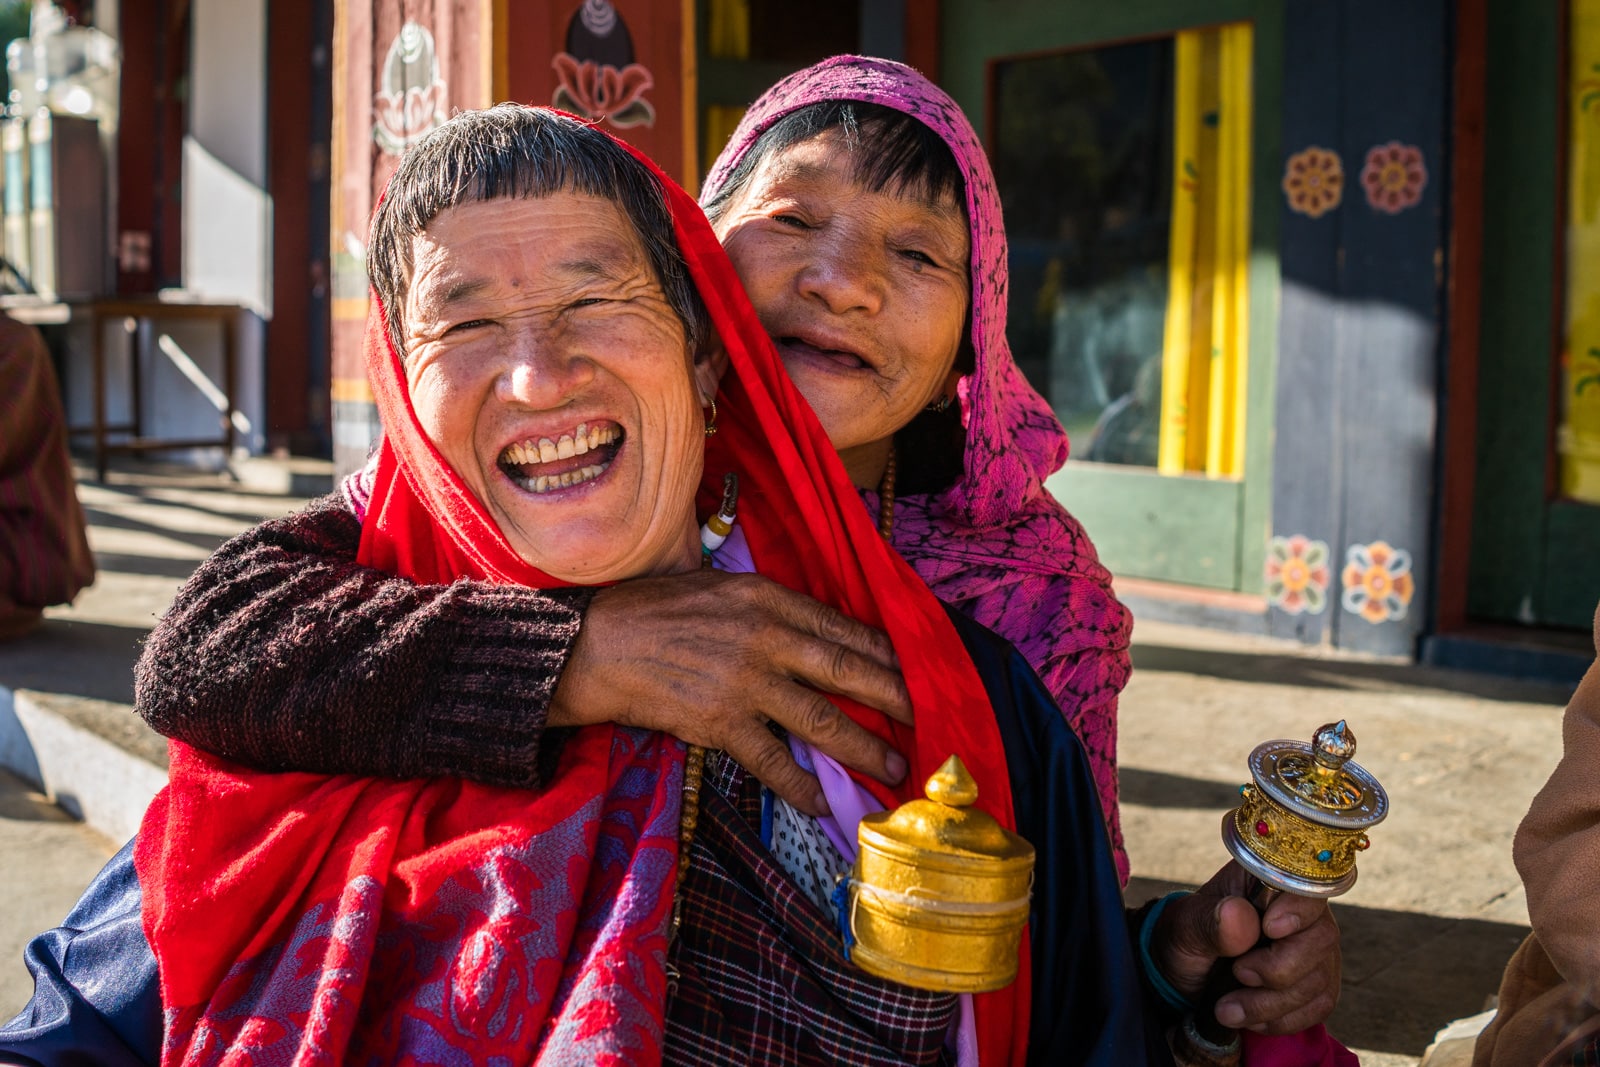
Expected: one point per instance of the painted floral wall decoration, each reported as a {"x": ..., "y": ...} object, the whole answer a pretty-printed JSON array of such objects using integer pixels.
[
  {"x": 1394, "y": 177},
  {"x": 597, "y": 77},
  {"x": 1297, "y": 575},
  {"x": 411, "y": 99},
  {"x": 1313, "y": 181},
  {"x": 1377, "y": 582}
]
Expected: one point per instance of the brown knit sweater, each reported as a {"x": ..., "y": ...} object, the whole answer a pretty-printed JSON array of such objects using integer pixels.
[{"x": 282, "y": 653}]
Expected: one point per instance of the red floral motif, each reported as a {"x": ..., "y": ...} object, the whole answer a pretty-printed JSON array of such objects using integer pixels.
[
  {"x": 601, "y": 91},
  {"x": 1394, "y": 177},
  {"x": 1313, "y": 181}
]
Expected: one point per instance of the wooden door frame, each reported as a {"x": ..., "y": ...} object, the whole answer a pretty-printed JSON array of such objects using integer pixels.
[
  {"x": 294, "y": 373},
  {"x": 1464, "y": 293}
]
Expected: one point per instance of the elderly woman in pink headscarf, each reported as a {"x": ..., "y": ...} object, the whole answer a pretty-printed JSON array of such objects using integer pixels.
[
  {"x": 861, "y": 215},
  {"x": 887, "y": 297}
]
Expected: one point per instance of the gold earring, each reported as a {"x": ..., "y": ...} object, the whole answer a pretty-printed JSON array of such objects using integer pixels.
[{"x": 711, "y": 423}]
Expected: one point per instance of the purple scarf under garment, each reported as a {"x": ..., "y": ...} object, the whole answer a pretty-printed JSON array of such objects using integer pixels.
[{"x": 995, "y": 544}]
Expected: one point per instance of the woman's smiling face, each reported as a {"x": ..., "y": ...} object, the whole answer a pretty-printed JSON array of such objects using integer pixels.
[
  {"x": 546, "y": 365},
  {"x": 864, "y": 292}
]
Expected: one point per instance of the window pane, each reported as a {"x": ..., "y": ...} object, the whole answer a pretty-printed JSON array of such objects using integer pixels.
[{"x": 1124, "y": 171}]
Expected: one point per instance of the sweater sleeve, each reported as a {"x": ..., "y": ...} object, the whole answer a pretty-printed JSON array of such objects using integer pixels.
[{"x": 283, "y": 653}]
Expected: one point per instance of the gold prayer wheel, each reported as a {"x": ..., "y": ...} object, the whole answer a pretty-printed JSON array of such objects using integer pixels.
[
  {"x": 1305, "y": 814},
  {"x": 939, "y": 893}
]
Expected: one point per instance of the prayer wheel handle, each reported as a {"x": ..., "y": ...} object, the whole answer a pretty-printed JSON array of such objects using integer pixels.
[{"x": 1302, "y": 821}]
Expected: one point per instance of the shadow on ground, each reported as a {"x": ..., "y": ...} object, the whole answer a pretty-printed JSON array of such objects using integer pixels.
[
  {"x": 86, "y": 659},
  {"x": 20, "y": 802},
  {"x": 1264, "y": 668},
  {"x": 207, "y": 542},
  {"x": 1157, "y": 789},
  {"x": 1406, "y": 974}
]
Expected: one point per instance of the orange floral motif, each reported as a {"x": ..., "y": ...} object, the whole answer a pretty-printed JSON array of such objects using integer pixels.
[
  {"x": 602, "y": 91},
  {"x": 1377, "y": 582},
  {"x": 1394, "y": 177},
  {"x": 1313, "y": 180},
  {"x": 1297, "y": 574}
]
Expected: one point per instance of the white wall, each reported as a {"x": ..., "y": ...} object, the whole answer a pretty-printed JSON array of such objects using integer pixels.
[{"x": 227, "y": 214}]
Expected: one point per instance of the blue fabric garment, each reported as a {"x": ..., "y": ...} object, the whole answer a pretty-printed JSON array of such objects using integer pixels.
[
  {"x": 97, "y": 992},
  {"x": 1081, "y": 1014},
  {"x": 96, "y": 995}
]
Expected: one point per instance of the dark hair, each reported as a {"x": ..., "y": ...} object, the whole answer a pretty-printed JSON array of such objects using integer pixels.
[
  {"x": 513, "y": 151},
  {"x": 890, "y": 152}
]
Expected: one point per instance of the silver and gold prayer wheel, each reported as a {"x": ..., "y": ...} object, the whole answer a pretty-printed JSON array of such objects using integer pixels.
[
  {"x": 939, "y": 893},
  {"x": 1305, "y": 814}
]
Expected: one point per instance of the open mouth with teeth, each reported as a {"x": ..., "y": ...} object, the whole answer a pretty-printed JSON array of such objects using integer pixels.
[{"x": 550, "y": 464}]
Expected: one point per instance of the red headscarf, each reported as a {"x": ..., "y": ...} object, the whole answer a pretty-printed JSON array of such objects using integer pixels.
[{"x": 380, "y": 907}]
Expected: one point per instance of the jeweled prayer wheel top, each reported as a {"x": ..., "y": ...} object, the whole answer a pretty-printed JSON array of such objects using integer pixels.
[{"x": 1305, "y": 813}]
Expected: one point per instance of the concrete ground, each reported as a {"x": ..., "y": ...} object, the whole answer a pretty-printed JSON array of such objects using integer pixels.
[
  {"x": 50, "y": 857},
  {"x": 1437, "y": 911},
  {"x": 1438, "y": 907}
]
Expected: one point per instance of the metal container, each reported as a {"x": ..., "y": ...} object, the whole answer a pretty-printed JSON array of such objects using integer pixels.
[
  {"x": 939, "y": 893},
  {"x": 1305, "y": 815}
]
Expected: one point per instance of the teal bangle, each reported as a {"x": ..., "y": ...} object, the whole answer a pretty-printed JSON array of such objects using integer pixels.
[{"x": 1158, "y": 981}]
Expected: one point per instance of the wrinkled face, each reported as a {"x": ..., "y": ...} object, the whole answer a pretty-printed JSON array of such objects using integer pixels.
[
  {"x": 548, "y": 368},
  {"x": 865, "y": 293}
]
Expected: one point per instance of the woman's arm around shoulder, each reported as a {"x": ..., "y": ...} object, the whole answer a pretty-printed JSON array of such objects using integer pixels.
[{"x": 284, "y": 653}]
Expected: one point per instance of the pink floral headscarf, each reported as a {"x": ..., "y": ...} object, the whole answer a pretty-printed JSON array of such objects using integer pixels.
[{"x": 995, "y": 544}]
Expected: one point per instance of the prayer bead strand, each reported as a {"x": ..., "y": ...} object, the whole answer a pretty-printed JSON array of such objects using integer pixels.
[
  {"x": 694, "y": 765},
  {"x": 886, "y": 498}
]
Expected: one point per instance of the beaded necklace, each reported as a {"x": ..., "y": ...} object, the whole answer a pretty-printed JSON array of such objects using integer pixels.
[
  {"x": 694, "y": 769},
  {"x": 694, "y": 763},
  {"x": 886, "y": 497}
]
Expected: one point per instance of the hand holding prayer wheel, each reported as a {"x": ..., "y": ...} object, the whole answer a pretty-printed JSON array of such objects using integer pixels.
[{"x": 1303, "y": 820}]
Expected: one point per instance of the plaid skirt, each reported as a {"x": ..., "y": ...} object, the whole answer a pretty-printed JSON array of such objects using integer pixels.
[{"x": 761, "y": 977}]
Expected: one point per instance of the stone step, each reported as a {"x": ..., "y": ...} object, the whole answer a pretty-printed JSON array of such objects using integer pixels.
[{"x": 94, "y": 758}]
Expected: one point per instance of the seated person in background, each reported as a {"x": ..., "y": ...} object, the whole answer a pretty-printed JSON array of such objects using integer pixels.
[
  {"x": 1549, "y": 1010},
  {"x": 537, "y": 290},
  {"x": 44, "y": 555}
]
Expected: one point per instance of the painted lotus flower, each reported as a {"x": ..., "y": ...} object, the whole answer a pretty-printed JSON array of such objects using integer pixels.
[
  {"x": 1377, "y": 582},
  {"x": 403, "y": 118},
  {"x": 1313, "y": 181},
  {"x": 601, "y": 91},
  {"x": 1297, "y": 575},
  {"x": 1394, "y": 177},
  {"x": 411, "y": 98}
]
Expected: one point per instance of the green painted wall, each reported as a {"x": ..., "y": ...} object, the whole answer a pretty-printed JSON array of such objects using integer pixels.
[{"x": 1169, "y": 529}]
